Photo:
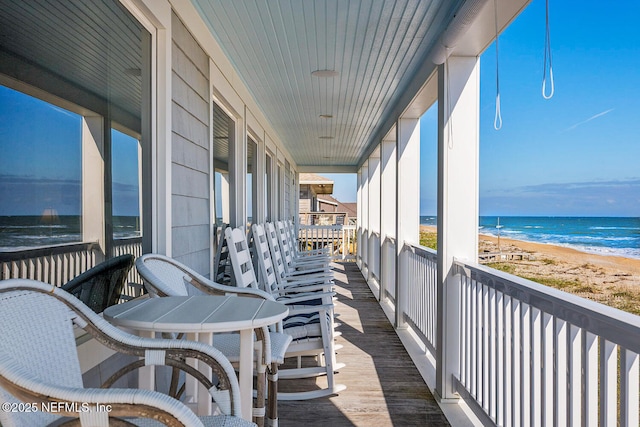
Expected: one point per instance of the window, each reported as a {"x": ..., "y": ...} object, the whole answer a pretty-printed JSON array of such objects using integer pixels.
[
  {"x": 126, "y": 177},
  {"x": 40, "y": 172},
  {"x": 252, "y": 179},
  {"x": 223, "y": 137},
  {"x": 268, "y": 188},
  {"x": 60, "y": 159}
]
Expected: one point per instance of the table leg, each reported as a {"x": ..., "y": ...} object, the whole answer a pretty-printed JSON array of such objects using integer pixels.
[
  {"x": 204, "y": 402},
  {"x": 191, "y": 385},
  {"x": 246, "y": 373},
  {"x": 147, "y": 374}
]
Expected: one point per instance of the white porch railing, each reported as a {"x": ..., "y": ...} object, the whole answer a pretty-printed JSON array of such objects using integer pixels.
[
  {"x": 388, "y": 268},
  {"x": 133, "y": 246},
  {"x": 533, "y": 355},
  {"x": 420, "y": 313},
  {"x": 58, "y": 264},
  {"x": 339, "y": 239},
  {"x": 52, "y": 264},
  {"x": 529, "y": 354}
]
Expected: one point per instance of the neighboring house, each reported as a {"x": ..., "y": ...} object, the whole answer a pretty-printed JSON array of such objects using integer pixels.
[{"x": 318, "y": 207}]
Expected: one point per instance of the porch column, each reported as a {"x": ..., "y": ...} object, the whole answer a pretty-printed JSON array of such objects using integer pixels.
[
  {"x": 458, "y": 147},
  {"x": 407, "y": 205},
  {"x": 364, "y": 242},
  {"x": 387, "y": 215},
  {"x": 359, "y": 220},
  {"x": 93, "y": 182},
  {"x": 373, "y": 252}
]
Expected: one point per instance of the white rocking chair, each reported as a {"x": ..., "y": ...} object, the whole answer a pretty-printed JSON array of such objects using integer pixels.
[{"x": 312, "y": 335}]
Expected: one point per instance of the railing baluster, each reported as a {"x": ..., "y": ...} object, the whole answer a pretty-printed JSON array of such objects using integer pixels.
[
  {"x": 575, "y": 376},
  {"x": 536, "y": 374},
  {"x": 485, "y": 362},
  {"x": 491, "y": 347},
  {"x": 560, "y": 373},
  {"x": 499, "y": 357},
  {"x": 590, "y": 379},
  {"x": 516, "y": 372},
  {"x": 525, "y": 391},
  {"x": 547, "y": 398},
  {"x": 629, "y": 388},
  {"x": 608, "y": 382},
  {"x": 473, "y": 374}
]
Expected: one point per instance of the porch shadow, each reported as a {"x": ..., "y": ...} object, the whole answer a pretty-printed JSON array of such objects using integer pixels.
[{"x": 384, "y": 388}]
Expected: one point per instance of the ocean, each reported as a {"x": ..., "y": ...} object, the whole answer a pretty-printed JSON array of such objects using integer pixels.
[
  {"x": 599, "y": 235},
  {"x": 22, "y": 232}
]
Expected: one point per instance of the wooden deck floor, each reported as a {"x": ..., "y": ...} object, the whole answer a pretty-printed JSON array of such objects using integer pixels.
[{"x": 384, "y": 387}]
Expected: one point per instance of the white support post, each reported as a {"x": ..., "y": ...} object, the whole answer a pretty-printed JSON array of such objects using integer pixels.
[
  {"x": 373, "y": 251},
  {"x": 93, "y": 175},
  {"x": 458, "y": 148},
  {"x": 407, "y": 205},
  {"x": 364, "y": 223},
  {"x": 387, "y": 214},
  {"x": 359, "y": 219}
]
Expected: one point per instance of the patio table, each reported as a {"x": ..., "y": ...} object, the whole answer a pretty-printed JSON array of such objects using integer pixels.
[{"x": 200, "y": 316}]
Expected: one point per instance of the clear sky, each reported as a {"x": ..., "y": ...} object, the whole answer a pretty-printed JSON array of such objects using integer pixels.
[{"x": 575, "y": 154}]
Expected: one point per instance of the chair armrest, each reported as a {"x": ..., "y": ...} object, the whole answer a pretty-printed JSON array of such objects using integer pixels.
[
  {"x": 213, "y": 288},
  {"x": 306, "y": 297},
  {"x": 310, "y": 309},
  {"x": 96, "y": 403},
  {"x": 293, "y": 290}
]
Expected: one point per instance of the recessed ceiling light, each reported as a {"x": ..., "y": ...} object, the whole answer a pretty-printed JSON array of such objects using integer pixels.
[
  {"x": 325, "y": 73},
  {"x": 325, "y": 137},
  {"x": 326, "y": 116}
]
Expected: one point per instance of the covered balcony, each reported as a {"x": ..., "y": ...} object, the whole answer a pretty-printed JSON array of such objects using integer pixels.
[{"x": 226, "y": 104}]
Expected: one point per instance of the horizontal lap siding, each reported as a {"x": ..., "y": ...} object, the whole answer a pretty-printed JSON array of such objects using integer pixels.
[{"x": 190, "y": 201}]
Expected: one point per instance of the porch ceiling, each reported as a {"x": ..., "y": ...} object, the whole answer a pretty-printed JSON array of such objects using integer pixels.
[
  {"x": 375, "y": 46},
  {"x": 94, "y": 45}
]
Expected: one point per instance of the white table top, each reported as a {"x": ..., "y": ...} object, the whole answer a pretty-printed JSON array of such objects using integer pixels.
[{"x": 198, "y": 313}]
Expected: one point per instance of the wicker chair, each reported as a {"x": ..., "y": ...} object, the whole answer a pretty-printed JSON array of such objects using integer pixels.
[
  {"x": 39, "y": 365},
  {"x": 101, "y": 286}
]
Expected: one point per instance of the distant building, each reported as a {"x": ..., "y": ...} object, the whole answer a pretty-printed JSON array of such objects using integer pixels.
[{"x": 318, "y": 207}]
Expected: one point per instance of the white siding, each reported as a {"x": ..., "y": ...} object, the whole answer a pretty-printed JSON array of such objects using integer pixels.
[{"x": 190, "y": 150}]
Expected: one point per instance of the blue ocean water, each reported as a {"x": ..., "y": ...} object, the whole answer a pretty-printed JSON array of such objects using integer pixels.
[
  {"x": 600, "y": 235},
  {"x": 21, "y": 232}
]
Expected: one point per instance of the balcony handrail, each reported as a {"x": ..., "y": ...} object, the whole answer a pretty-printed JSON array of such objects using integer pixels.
[
  {"x": 51, "y": 250},
  {"x": 419, "y": 250},
  {"x": 610, "y": 323}
]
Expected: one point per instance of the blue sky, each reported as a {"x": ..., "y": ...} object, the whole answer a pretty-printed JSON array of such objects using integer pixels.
[{"x": 575, "y": 154}]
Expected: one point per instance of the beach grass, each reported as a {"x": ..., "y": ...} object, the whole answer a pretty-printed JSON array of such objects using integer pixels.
[
  {"x": 584, "y": 275},
  {"x": 429, "y": 239}
]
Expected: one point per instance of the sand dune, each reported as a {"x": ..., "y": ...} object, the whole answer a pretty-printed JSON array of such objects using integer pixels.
[{"x": 611, "y": 280}]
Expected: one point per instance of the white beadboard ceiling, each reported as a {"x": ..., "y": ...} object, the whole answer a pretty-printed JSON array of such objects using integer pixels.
[{"x": 376, "y": 46}]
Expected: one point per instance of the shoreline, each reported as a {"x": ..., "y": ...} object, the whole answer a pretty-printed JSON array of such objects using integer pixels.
[
  {"x": 632, "y": 264},
  {"x": 609, "y": 279}
]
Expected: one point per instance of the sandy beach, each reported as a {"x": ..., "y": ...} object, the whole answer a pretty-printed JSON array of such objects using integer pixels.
[{"x": 611, "y": 280}]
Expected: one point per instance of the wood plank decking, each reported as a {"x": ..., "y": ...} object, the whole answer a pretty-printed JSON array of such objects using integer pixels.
[{"x": 384, "y": 388}]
